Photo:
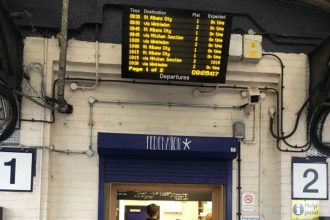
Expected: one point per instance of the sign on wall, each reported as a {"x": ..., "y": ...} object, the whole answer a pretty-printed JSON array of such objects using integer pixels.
[
  {"x": 249, "y": 217},
  {"x": 116, "y": 144},
  {"x": 248, "y": 201},
  {"x": 171, "y": 44},
  {"x": 309, "y": 179},
  {"x": 305, "y": 209},
  {"x": 16, "y": 169}
]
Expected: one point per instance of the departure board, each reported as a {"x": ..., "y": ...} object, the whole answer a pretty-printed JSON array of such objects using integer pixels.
[{"x": 175, "y": 45}]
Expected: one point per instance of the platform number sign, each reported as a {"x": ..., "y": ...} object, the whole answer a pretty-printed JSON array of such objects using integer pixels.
[
  {"x": 309, "y": 179},
  {"x": 16, "y": 169}
]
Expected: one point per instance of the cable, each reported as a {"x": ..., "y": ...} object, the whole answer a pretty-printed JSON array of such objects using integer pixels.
[
  {"x": 157, "y": 83},
  {"x": 286, "y": 42},
  {"x": 51, "y": 101},
  {"x": 42, "y": 96},
  {"x": 297, "y": 117},
  {"x": 28, "y": 90},
  {"x": 317, "y": 122},
  {"x": 39, "y": 67},
  {"x": 270, "y": 36},
  {"x": 284, "y": 140},
  {"x": 9, "y": 109},
  {"x": 278, "y": 131},
  {"x": 52, "y": 121},
  {"x": 293, "y": 36},
  {"x": 238, "y": 31},
  {"x": 52, "y": 148},
  {"x": 315, "y": 125},
  {"x": 279, "y": 136},
  {"x": 35, "y": 101},
  {"x": 282, "y": 136}
]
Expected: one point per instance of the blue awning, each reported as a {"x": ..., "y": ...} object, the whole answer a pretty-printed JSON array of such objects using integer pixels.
[{"x": 120, "y": 145}]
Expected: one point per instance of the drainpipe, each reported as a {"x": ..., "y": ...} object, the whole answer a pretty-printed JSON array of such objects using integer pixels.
[
  {"x": 239, "y": 185},
  {"x": 64, "y": 107},
  {"x": 239, "y": 132}
]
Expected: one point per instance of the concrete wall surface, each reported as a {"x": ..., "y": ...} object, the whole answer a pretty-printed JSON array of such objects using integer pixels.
[{"x": 66, "y": 184}]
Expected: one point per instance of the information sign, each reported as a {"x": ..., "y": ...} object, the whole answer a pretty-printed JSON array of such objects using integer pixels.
[
  {"x": 171, "y": 44},
  {"x": 305, "y": 209},
  {"x": 16, "y": 169},
  {"x": 248, "y": 201},
  {"x": 309, "y": 179},
  {"x": 249, "y": 217}
]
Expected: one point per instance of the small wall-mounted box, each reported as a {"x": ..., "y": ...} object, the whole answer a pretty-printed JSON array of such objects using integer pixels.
[
  {"x": 235, "y": 47},
  {"x": 252, "y": 47}
]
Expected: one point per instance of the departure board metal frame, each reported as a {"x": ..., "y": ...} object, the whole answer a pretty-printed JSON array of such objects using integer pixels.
[{"x": 175, "y": 44}]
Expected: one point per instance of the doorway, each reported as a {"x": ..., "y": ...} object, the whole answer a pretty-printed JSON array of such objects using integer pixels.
[
  {"x": 127, "y": 201},
  {"x": 128, "y": 164}
]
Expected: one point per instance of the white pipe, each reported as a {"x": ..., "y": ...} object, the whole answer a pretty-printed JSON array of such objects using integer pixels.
[
  {"x": 260, "y": 161},
  {"x": 42, "y": 136},
  {"x": 43, "y": 77},
  {"x": 40, "y": 183},
  {"x": 253, "y": 140}
]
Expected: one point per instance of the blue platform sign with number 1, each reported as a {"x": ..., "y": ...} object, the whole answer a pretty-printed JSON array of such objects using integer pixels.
[
  {"x": 309, "y": 179},
  {"x": 16, "y": 171}
]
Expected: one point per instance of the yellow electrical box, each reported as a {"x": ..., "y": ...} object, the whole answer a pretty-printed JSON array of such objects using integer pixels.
[{"x": 252, "y": 47}]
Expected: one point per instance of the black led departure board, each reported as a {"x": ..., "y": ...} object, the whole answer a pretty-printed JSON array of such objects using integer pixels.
[{"x": 178, "y": 45}]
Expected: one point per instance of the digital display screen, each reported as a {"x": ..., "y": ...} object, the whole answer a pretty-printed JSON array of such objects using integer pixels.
[{"x": 172, "y": 44}]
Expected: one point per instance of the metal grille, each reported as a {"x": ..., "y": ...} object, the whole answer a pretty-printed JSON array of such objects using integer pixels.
[
  {"x": 313, "y": 152},
  {"x": 13, "y": 139},
  {"x": 166, "y": 171}
]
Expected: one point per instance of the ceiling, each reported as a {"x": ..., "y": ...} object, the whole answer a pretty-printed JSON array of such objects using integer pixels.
[{"x": 322, "y": 5}]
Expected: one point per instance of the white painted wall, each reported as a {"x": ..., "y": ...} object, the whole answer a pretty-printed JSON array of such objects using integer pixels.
[{"x": 66, "y": 185}]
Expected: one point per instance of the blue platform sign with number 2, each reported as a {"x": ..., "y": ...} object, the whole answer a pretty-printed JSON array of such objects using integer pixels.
[
  {"x": 309, "y": 180},
  {"x": 16, "y": 171}
]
